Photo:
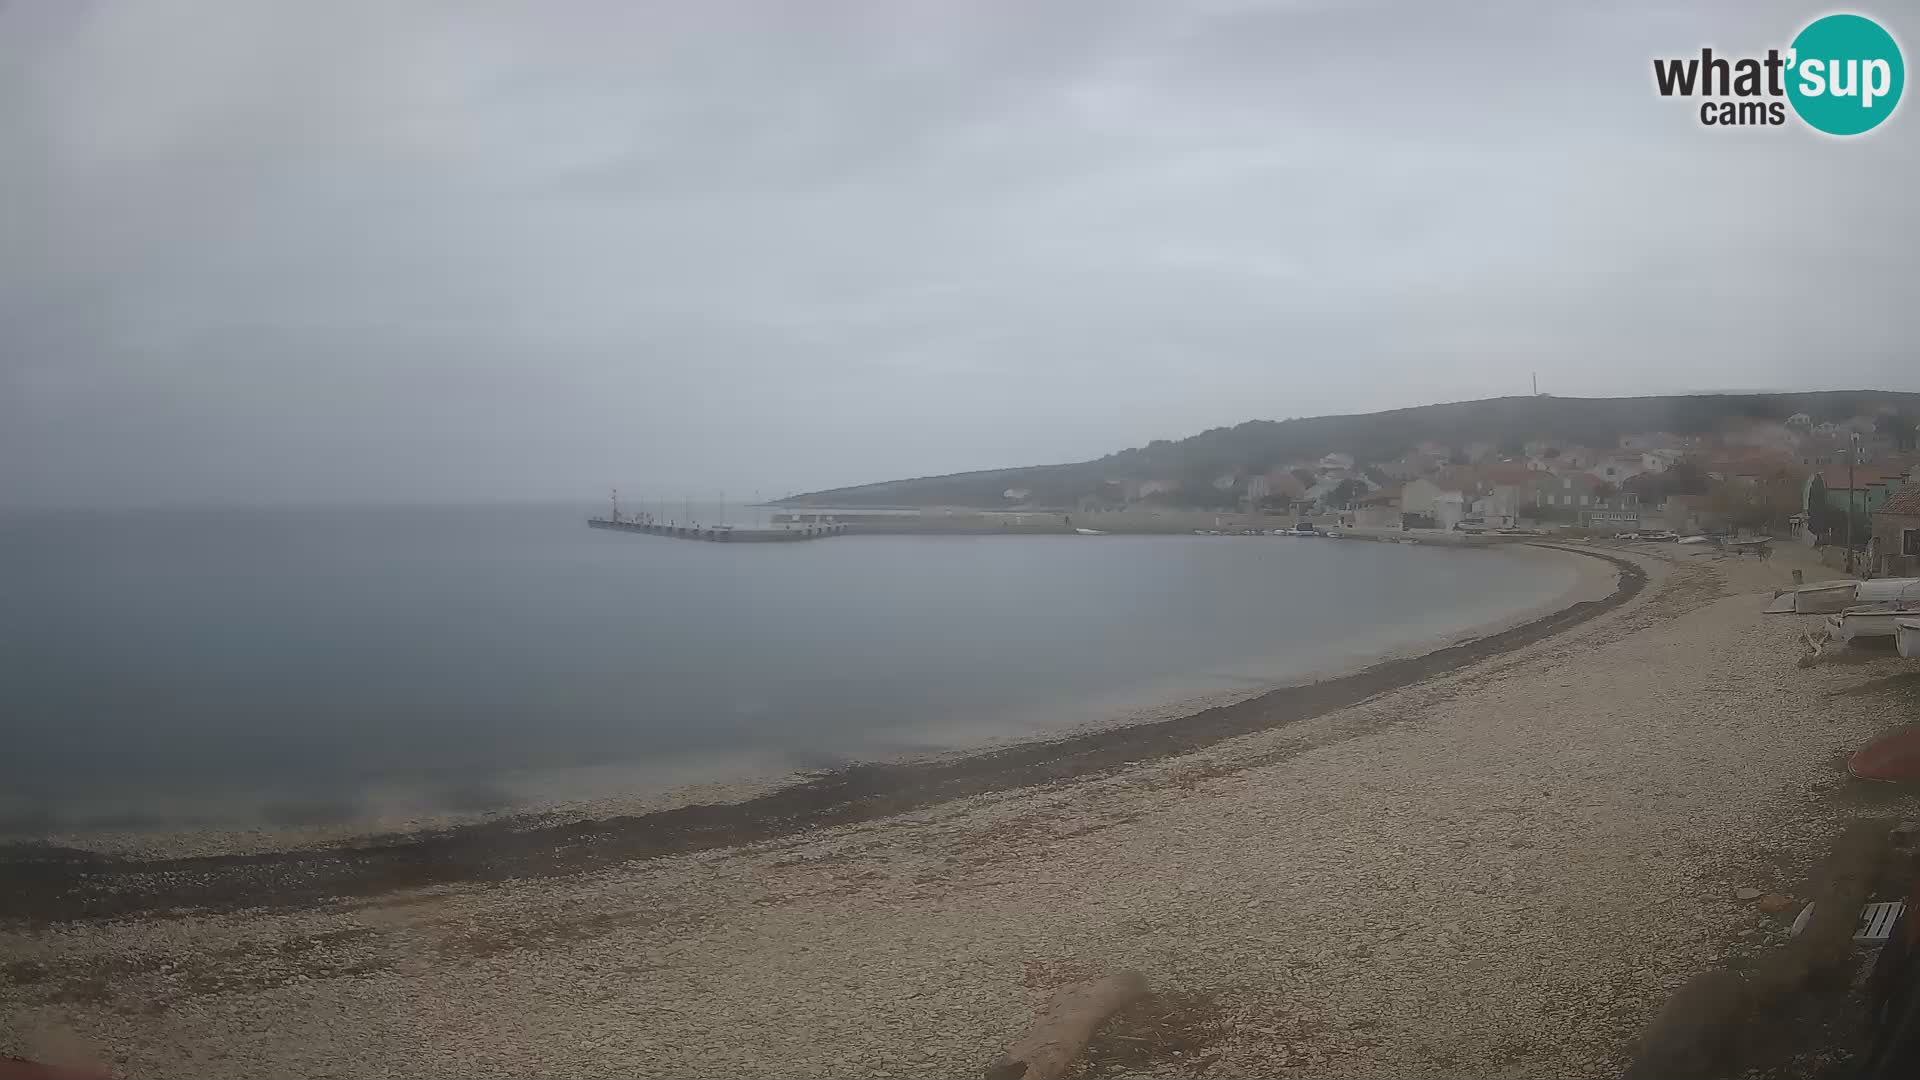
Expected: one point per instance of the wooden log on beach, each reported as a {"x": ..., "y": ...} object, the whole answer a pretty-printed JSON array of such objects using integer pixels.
[{"x": 1062, "y": 1032}]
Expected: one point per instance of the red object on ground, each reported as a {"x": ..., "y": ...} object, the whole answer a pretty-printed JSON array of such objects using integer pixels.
[{"x": 1894, "y": 757}]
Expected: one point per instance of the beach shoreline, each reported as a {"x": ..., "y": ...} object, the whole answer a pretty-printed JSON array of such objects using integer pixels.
[
  {"x": 1503, "y": 868},
  {"x": 83, "y": 876},
  {"x": 737, "y": 781}
]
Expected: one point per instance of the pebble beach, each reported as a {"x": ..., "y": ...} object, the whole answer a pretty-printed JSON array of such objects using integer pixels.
[{"x": 1502, "y": 870}]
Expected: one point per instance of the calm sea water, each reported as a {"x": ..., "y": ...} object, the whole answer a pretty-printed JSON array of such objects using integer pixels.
[{"x": 173, "y": 667}]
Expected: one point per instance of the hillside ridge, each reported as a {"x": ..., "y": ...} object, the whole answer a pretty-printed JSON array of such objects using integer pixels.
[{"x": 1187, "y": 470}]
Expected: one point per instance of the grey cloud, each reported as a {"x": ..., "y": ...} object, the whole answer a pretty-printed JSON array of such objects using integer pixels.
[{"x": 470, "y": 251}]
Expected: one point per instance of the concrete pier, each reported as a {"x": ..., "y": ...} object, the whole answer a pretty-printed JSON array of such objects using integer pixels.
[{"x": 721, "y": 534}]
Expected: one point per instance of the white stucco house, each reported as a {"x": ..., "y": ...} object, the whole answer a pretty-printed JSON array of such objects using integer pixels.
[
  {"x": 1446, "y": 507},
  {"x": 1659, "y": 461},
  {"x": 1618, "y": 468},
  {"x": 1500, "y": 508}
]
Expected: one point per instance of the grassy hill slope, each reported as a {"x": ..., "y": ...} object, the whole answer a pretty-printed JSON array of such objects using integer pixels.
[{"x": 1257, "y": 445}]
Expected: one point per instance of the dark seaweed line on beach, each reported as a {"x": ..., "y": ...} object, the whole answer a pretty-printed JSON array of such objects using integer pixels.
[{"x": 43, "y": 883}]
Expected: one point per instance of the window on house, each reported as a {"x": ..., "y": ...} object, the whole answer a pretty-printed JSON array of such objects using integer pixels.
[
  {"x": 1583, "y": 500},
  {"x": 1910, "y": 542}
]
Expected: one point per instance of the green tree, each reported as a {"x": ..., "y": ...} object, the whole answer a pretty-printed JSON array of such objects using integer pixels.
[{"x": 1901, "y": 423}]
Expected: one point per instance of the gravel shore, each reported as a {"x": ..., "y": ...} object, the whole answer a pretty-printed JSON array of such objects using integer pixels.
[{"x": 1499, "y": 871}]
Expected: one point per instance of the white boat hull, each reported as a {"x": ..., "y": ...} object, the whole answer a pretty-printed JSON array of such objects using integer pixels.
[
  {"x": 1901, "y": 593},
  {"x": 1825, "y": 598},
  {"x": 1819, "y": 598},
  {"x": 1906, "y": 636},
  {"x": 1849, "y": 625}
]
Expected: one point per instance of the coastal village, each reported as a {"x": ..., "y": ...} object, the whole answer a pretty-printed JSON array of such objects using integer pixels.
[
  {"x": 1845, "y": 481},
  {"x": 1802, "y": 478}
]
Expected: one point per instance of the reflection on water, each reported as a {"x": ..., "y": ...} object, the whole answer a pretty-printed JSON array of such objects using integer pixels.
[{"x": 300, "y": 666}]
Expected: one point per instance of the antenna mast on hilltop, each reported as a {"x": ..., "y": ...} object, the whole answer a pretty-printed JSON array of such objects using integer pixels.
[
  {"x": 1536, "y": 384},
  {"x": 616, "y": 504}
]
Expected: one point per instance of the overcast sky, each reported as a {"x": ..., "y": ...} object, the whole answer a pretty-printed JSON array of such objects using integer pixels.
[{"x": 338, "y": 251}]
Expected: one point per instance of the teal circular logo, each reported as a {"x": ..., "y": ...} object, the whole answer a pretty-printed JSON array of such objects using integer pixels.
[{"x": 1845, "y": 74}]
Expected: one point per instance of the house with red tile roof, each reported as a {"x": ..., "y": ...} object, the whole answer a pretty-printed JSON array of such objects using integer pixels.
[
  {"x": 1617, "y": 468},
  {"x": 1283, "y": 483},
  {"x": 1866, "y": 489},
  {"x": 1895, "y": 550},
  {"x": 1511, "y": 473},
  {"x": 1410, "y": 466}
]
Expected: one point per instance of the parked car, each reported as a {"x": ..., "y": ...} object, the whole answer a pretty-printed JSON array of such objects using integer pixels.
[{"x": 1660, "y": 534}]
